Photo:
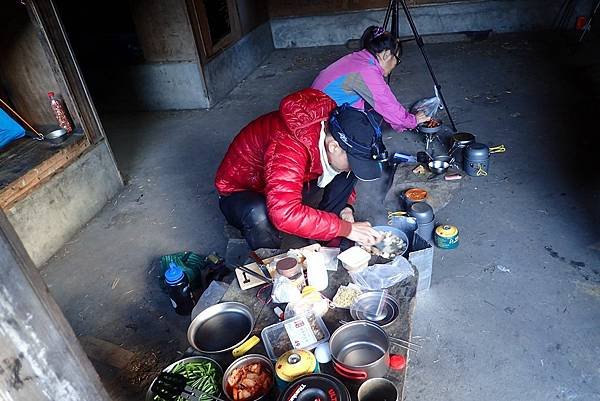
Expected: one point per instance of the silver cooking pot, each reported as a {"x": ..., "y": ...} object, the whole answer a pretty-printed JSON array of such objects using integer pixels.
[{"x": 360, "y": 350}]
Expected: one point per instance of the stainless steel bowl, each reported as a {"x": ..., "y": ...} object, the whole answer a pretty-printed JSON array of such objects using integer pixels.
[
  {"x": 438, "y": 167},
  {"x": 150, "y": 394},
  {"x": 244, "y": 361},
  {"x": 56, "y": 136},
  {"x": 221, "y": 327}
]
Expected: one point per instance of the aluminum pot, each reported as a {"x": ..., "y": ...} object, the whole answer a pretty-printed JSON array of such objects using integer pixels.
[
  {"x": 221, "y": 327},
  {"x": 360, "y": 350}
]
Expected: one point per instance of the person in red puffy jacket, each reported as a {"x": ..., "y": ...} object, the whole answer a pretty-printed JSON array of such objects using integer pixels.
[{"x": 285, "y": 157}]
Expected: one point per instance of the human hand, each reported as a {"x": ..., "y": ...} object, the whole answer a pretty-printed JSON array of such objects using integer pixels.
[
  {"x": 422, "y": 117},
  {"x": 364, "y": 234},
  {"x": 347, "y": 215}
]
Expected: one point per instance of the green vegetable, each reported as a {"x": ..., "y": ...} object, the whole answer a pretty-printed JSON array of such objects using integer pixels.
[{"x": 201, "y": 375}]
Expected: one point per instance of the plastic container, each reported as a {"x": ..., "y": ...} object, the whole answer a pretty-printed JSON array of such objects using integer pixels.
[
  {"x": 60, "y": 112},
  {"x": 290, "y": 268},
  {"x": 354, "y": 258},
  {"x": 330, "y": 255},
  {"x": 316, "y": 272},
  {"x": 299, "y": 332},
  {"x": 179, "y": 290}
]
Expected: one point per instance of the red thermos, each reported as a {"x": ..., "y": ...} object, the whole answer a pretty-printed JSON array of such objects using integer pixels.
[{"x": 60, "y": 112}]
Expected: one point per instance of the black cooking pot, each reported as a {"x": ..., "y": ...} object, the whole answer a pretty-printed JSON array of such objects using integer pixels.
[{"x": 316, "y": 387}]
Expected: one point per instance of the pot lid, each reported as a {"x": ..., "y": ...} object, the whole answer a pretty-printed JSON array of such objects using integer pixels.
[
  {"x": 294, "y": 363},
  {"x": 477, "y": 150},
  {"x": 316, "y": 387},
  {"x": 463, "y": 138}
]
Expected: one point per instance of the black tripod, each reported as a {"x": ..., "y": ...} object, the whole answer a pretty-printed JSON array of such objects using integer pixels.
[{"x": 393, "y": 11}]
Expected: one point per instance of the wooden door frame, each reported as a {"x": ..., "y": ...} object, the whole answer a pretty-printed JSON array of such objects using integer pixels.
[{"x": 197, "y": 16}]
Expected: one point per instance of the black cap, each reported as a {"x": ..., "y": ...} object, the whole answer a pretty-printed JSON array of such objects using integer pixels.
[{"x": 355, "y": 134}]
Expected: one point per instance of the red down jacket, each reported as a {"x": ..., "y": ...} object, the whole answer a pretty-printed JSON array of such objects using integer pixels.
[{"x": 275, "y": 155}]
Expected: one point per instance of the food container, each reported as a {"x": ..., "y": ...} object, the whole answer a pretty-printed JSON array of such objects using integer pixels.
[
  {"x": 377, "y": 389},
  {"x": 246, "y": 361},
  {"x": 476, "y": 159},
  {"x": 299, "y": 332},
  {"x": 290, "y": 267},
  {"x": 311, "y": 302},
  {"x": 150, "y": 395},
  {"x": 411, "y": 196},
  {"x": 360, "y": 350},
  {"x": 294, "y": 364},
  {"x": 316, "y": 387},
  {"x": 354, "y": 258},
  {"x": 221, "y": 327},
  {"x": 397, "y": 232}
]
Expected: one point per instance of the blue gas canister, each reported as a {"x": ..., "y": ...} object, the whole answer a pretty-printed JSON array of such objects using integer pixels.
[{"x": 179, "y": 290}]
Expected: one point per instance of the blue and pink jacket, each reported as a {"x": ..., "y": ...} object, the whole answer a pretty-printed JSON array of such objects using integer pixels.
[{"x": 358, "y": 78}]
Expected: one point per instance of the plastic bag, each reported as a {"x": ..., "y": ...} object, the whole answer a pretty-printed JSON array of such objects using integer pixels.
[
  {"x": 284, "y": 291},
  {"x": 380, "y": 277},
  {"x": 429, "y": 106}
]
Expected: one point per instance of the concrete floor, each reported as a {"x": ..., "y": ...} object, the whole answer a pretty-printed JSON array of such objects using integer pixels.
[{"x": 512, "y": 314}]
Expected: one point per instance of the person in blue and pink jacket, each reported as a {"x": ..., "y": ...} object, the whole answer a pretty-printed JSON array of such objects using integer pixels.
[{"x": 359, "y": 79}]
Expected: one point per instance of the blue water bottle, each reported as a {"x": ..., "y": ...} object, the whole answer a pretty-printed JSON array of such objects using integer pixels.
[{"x": 179, "y": 290}]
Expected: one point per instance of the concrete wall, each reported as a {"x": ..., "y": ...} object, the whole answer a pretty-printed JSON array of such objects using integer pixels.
[
  {"x": 226, "y": 70},
  {"x": 168, "y": 86},
  {"x": 172, "y": 77},
  {"x": 497, "y": 15},
  {"x": 57, "y": 209}
]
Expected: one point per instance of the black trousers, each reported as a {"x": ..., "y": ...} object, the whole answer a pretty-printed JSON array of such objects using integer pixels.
[{"x": 247, "y": 210}]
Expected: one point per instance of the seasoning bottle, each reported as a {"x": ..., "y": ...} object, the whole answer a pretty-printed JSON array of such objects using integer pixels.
[
  {"x": 60, "y": 112},
  {"x": 179, "y": 290}
]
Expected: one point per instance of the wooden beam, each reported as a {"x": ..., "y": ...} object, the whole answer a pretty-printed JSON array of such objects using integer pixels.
[
  {"x": 41, "y": 173},
  {"x": 40, "y": 357}
]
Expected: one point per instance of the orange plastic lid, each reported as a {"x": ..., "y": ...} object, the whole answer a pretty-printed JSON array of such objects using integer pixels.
[{"x": 416, "y": 194}]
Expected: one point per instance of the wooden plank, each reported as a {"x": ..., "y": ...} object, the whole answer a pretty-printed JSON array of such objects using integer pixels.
[
  {"x": 19, "y": 189},
  {"x": 106, "y": 352},
  {"x": 41, "y": 357}
]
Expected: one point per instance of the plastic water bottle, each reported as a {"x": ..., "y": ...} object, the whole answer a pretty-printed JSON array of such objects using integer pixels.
[{"x": 179, "y": 290}]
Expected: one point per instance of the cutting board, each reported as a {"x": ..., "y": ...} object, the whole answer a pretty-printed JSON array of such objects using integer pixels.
[{"x": 247, "y": 281}]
